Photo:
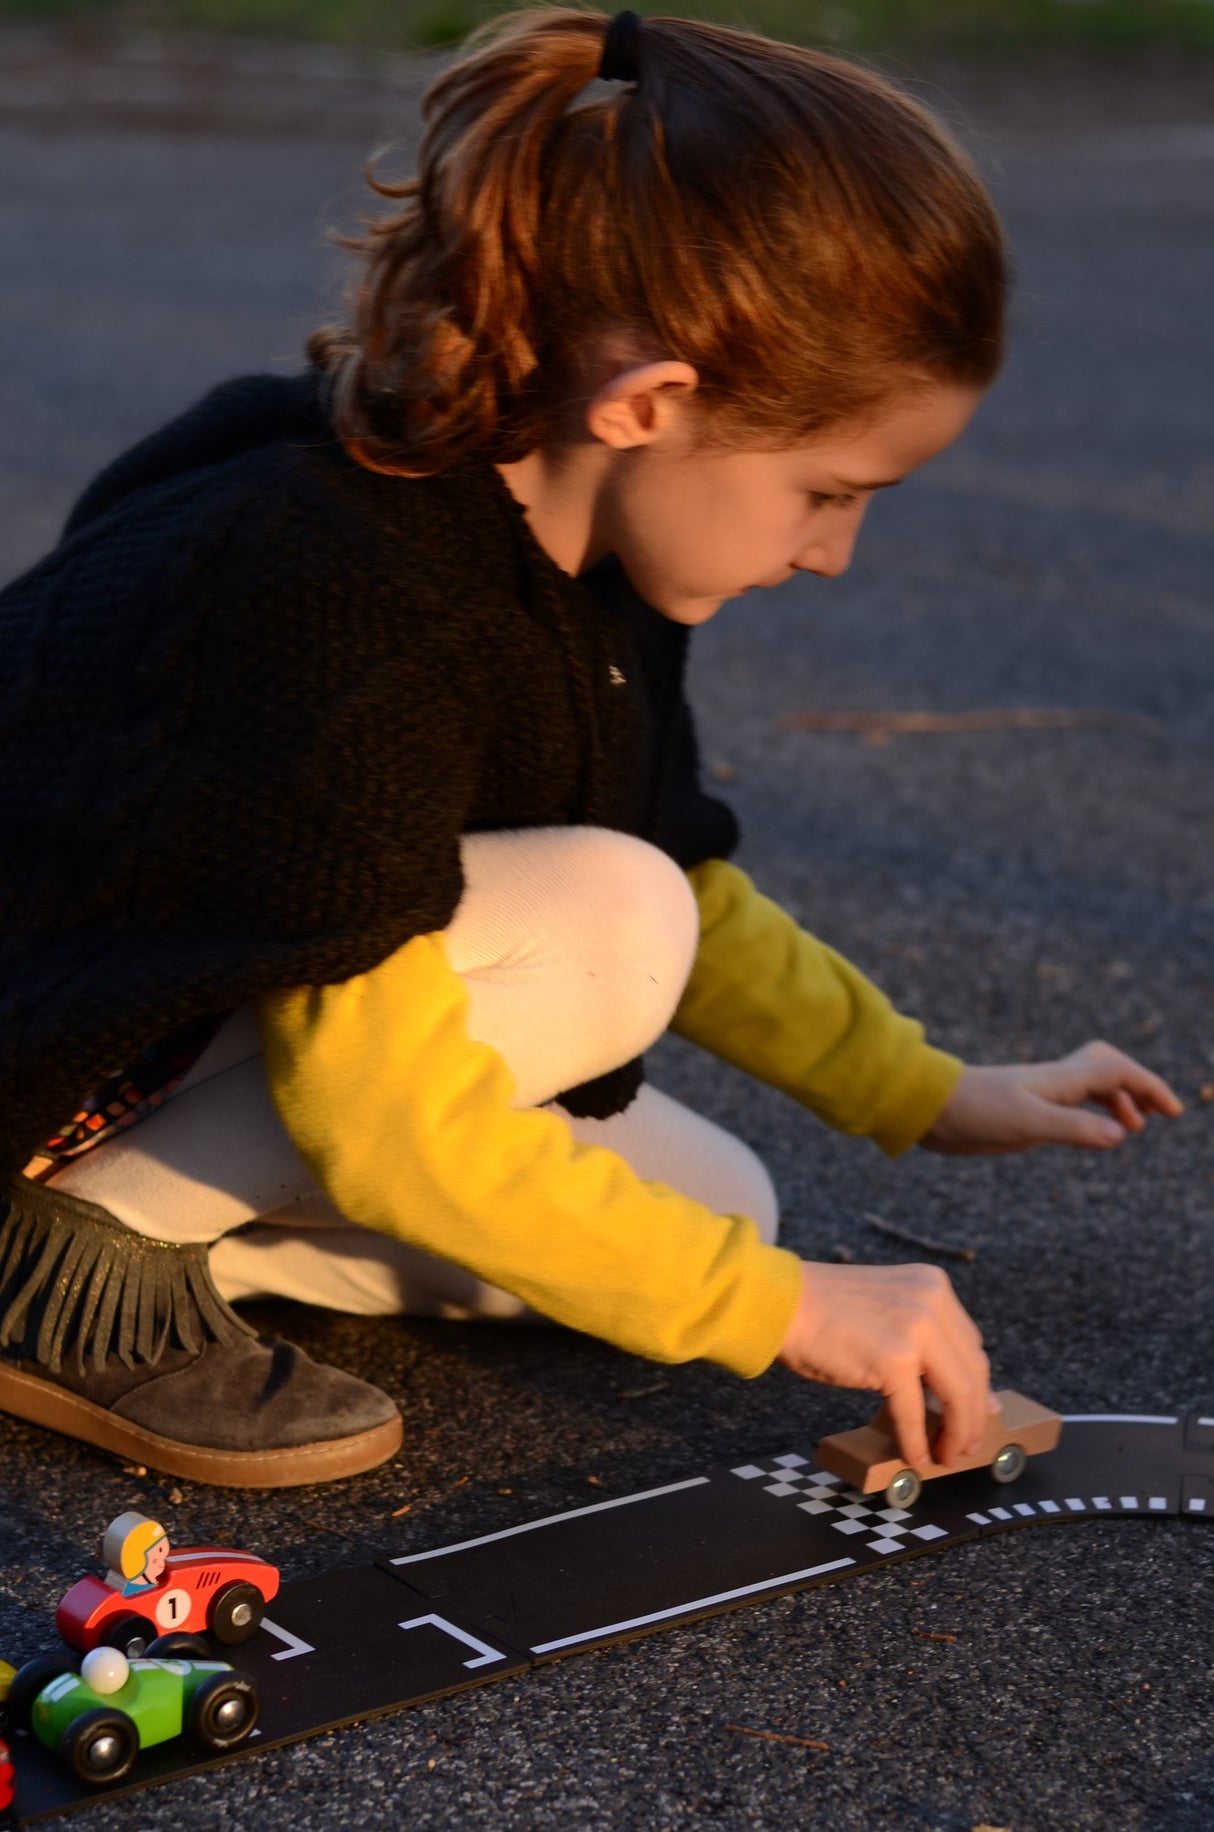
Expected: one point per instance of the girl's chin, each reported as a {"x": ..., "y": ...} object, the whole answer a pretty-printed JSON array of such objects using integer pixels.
[{"x": 690, "y": 610}]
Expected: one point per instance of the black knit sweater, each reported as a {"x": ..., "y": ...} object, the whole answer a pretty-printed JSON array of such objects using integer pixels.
[{"x": 248, "y": 706}]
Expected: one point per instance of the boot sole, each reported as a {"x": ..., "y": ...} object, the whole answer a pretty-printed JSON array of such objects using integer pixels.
[{"x": 40, "y": 1403}]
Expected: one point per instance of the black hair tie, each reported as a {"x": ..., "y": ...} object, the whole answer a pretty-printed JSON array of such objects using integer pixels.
[{"x": 621, "y": 45}]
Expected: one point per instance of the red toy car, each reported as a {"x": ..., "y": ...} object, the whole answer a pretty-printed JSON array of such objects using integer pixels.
[
  {"x": 7, "y": 1777},
  {"x": 198, "y": 1588}
]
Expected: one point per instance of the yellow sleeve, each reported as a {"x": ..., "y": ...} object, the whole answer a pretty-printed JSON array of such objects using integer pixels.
[
  {"x": 406, "y": 1123},
  {"x": 768, "y": 997}
]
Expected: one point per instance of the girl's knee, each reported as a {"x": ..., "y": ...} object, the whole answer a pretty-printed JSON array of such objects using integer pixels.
[
  {"x": 580, "y": 939},
  {"x": 639, "y": 908}
]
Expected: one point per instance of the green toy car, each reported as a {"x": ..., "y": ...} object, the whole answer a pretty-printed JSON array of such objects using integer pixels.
[{"x": 98, "y": 1719}]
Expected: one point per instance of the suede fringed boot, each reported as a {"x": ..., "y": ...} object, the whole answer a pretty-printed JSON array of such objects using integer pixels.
[{"x": 125, "y": 1342}]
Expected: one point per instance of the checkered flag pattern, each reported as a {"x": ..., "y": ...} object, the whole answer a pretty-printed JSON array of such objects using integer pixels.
[{"x": 815, "y": 1491}]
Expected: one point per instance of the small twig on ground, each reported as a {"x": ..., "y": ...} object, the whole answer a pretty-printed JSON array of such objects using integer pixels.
[
  {"x": 994, "y": 719},
  {"x": 776, "y": 1736},
  {"x": 940, "y": 1248},
  {"x": 397, "y": 1512},
  {"x": 658, "y": 1386},
  {"x": 927, "y": 1634}
]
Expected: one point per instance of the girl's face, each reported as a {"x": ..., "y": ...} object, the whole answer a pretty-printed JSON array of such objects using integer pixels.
[{"x": 694, "y": 526}]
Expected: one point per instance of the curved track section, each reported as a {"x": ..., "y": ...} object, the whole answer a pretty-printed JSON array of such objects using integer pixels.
[{"x": 416, "y": 1625}]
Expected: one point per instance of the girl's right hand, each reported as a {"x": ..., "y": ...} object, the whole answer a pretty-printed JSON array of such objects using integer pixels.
[{"x": 894, "y": 1329}]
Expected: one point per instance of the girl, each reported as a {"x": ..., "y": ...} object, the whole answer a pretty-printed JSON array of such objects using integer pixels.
[{"x": 353, "y": 842}]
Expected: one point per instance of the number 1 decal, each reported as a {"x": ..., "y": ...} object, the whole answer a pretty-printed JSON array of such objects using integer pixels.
[{"x": 172, "y": 1608}]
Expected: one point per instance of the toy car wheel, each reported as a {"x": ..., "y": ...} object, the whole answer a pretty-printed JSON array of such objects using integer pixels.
[
  {"x": 224, "y": 1710},
  {"x": 29, "y": 1680},
  {"x": 1010, "y": 1463},
  {"x": 177, "y": 1645},
  {"x": 236, "y": 1613},
  {"x": 100, "y": 1746},
  {"x": 904, "y": 1489},
  {"x": 130, "y": 1635}
]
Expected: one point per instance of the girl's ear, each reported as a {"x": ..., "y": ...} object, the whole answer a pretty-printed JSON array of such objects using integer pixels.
[{"x": 639, "y": 405}]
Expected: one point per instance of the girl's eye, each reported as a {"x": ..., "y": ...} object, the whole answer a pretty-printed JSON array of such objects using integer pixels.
[{"x": 821, "y": 501}]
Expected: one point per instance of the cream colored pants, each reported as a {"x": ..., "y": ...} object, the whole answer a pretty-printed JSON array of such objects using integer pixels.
[{"x": 575, "y": 945}]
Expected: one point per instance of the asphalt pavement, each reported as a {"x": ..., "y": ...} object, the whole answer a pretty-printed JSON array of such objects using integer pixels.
[{"x": 163, "y": 222}]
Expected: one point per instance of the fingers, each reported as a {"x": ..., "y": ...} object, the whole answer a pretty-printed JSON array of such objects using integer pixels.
[
  {"x": 893, "y": 1329},
  {"x": 960, "y": 1379},
  {"x": 1125, "y": 1110},
  {"x": 1098, "y": 1073},
  {"x": 1055, "y": 1125},
  {"x": 907, "y": 1415},
  {"x": 949, "y": 1358},
  {"x": 1103, "y": 1073}
]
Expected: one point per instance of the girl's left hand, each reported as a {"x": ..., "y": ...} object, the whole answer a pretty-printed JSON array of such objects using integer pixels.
[{"x": 1042, "y": 1103}]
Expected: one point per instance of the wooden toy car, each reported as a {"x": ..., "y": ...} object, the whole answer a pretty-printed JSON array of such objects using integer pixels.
[
  {"x": 196, "y": 1588},
  {"x": 869, "y": 1459},
  {"x": 99, "y": 1719}
]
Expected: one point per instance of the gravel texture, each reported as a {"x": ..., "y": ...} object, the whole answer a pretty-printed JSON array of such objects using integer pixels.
[{"x": 1022, "y": 890}]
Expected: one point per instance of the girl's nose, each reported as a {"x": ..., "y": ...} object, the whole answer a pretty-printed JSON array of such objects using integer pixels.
[{"x": 829, "y": 553}]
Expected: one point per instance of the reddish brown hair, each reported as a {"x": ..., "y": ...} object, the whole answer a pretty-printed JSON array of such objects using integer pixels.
[{"x": 794, "y": 226}]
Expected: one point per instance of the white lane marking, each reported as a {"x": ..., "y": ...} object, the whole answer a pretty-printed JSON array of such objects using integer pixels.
[
  {"x": 1158, "y": 1501},
  {"x": 1024, "y": 1507},
  {"x": 979, "y": 1520},
  {"x": 930, "y": 1532},
  {"x": 1205, "y": 1421},
  {"x": 292, "y": 1645},
  {"x": 663, "y": 1615},
  {"x": 1197, "y": 1505},
  {"x": 1129, "y": 1501},
  {"x": 1121, "y": 1418},
  {"x": 886, "y": 1545},
  {"x": 486, "y": 1654},
  {"x": 1048, "y": 1507},
  {"x": 1000, "y": 1514},
  {"x": 1076, "y": 1506},
  {"x": 597, "y": 1507},
  {"x": 748, "y": 1472},
  {"x": 1102, "y": 1502},
  {"x": 791, "y": 1461}
]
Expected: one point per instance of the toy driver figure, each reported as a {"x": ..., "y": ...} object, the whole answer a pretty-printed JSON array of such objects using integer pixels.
[{"x": 134, "y": 1549}]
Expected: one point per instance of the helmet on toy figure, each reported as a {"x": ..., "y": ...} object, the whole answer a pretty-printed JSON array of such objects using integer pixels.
[{"x": 135, "y": 1550}]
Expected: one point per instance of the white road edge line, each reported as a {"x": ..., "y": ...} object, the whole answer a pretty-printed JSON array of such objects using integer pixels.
[
  {"x": 529, "y": 1526},
  {"x": 722, "y": 1596},
  {"x": 292, "y": 1647},
  {"x": 1121, "y": 1418}
]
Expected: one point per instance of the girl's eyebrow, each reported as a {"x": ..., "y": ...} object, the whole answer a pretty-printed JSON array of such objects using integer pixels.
[{"x": 844, "y": 487}]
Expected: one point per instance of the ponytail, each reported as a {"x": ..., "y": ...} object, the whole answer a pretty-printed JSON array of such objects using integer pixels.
[{"x": 791, "y": 224}]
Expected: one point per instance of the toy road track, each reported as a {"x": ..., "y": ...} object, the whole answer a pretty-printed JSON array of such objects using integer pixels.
[{"x": 355, "y": 1643}]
